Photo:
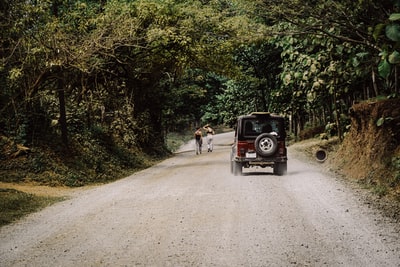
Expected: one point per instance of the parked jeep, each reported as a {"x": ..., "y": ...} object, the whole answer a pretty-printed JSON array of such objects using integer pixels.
[{"x": 259, "y": 141}]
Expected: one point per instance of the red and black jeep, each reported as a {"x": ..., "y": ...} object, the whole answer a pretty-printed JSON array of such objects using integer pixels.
[{"x": 259, "y": 141}]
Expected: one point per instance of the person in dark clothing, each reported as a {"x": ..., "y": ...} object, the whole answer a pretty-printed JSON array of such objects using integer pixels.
[{"x": 198, "y": 138}]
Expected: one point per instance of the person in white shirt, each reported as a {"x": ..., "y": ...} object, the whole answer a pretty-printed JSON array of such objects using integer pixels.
[{"x": 209, "y": 134}]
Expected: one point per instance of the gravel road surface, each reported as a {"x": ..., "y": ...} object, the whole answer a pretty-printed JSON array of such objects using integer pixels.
[{"x": 190, "y": 211}]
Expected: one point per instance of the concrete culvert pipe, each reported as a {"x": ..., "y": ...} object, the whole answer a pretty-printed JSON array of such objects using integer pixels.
[{"x": 321, "y": 155}]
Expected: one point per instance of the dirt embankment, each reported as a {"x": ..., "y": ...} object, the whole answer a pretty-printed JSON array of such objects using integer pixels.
[
  {"x": 370, "y": 152},
  {"x": 369, "y": 156}
]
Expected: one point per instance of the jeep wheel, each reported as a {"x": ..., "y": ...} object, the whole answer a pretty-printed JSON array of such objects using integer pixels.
[
  {"x": 237, "y": 168},
  {"x": 266, "y": 144},
  {"x": 280, "y": 168}
]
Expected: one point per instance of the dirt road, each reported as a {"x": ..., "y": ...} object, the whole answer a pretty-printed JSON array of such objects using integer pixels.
[{"x": 190, "y": 211}]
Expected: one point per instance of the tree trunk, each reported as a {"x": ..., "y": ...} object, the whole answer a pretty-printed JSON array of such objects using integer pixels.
[
  {"x": 295, "y": 124},
  {"x": 396, "y": 80},
  {"x": 337, "y": 116},
  {"x": 374, "y": 83},
  {"x": 263, "y": 97},
  {"x": 63, "y": 114}
]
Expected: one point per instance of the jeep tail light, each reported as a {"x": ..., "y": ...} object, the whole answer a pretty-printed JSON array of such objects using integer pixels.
[
  {"x": 242, "y": 148},
  {"x": 281, "y": 148}
]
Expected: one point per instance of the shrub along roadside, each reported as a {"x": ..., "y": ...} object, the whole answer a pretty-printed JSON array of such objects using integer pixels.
[{"x": 87, "y": 161}]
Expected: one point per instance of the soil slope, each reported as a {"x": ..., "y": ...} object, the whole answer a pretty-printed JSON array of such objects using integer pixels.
[{"x": 370, "y": 152}]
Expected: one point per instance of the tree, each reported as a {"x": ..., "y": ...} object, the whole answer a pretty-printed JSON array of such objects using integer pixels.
[
  {"x": 329, "y": 55},
  {"x": 76, "y": 62}
]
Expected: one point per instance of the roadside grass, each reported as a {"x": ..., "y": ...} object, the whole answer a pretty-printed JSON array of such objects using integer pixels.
[{"x": 15, "y": 204}]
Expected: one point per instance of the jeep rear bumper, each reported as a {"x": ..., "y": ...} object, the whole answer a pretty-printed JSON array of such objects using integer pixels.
[{"x": 260, "y": 161}]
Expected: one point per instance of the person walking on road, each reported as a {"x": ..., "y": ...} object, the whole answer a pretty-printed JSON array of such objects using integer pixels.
[
  {"x": 198, "y": 136},
  {"x": 210, "y": 133}
]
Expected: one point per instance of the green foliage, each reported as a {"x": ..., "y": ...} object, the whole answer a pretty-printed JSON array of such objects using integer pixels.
[
  {"x": 381, "y": 121},
  {"x": 394, "y": 58},
  {"x": 388, "y": 53},
  {"x": 393, "y": 32},
  {"x": 238, "y": 98},
  {"x": 384, "y": 68}
]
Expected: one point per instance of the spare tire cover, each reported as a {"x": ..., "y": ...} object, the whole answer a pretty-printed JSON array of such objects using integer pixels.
[{"x": 266, "y": 144}]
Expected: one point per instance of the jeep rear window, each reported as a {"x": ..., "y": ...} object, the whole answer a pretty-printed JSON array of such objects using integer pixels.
[{"x": 255, "y": 127}]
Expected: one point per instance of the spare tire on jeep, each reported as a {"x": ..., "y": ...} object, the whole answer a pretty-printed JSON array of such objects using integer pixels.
[{"x": 266, "y": 144}]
